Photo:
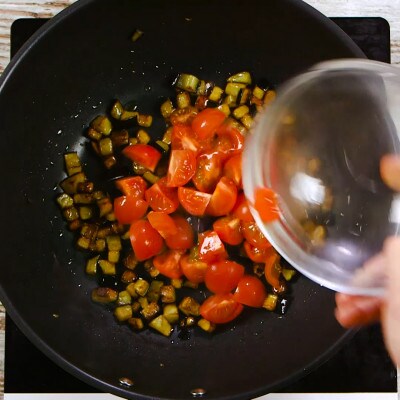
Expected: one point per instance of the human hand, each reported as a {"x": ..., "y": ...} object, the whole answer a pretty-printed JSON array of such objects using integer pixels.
[{"x": 362, "y": 310}]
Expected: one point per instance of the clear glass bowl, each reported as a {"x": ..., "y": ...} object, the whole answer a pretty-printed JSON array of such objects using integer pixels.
[{"x": 318, "y": 147}]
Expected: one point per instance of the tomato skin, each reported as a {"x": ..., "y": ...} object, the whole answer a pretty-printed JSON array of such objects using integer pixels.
[
  {"x": 129, "y": 208},
  {"x": 233, "y": 170},
  {"x": 183, "y": 138},
  {"x": 223, "y": 199},
  {"x": 206, "y": 122},
  {"x": 229, "y": 230},
  {"x": 143, "y": 154},
  {"x": 182, "y": 167},
  {"x": 266, "y": 204},
  {"x": 193, "y": 269},
  {"x": 132, "y": 186},
  {"x": 193, "y": 201},
  {"x": 208, "y": 172},
  {"x": 184, "y": 238},
  {"x": 250, "y": 291},
  {"x": 162, "y": 223},
  {"x": 161, "y": 197},
  {"x": 211, "y": 247},
  {"x": 256, "y": 254},
  {"x": 241, "y": 209},
  {"x": 220, "y": 308},
  {"x": 223, "y": 276},
  {"x": 254, "y": 236},
  {"x": 168, "y": 263},
  {"x": 145, "y": 240}
]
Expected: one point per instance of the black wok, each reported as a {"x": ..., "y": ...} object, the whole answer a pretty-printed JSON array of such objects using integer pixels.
[{"x": 68, "y": 73}]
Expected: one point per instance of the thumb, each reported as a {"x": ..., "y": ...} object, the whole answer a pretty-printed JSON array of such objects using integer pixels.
[{"x": 391, "y": 309}]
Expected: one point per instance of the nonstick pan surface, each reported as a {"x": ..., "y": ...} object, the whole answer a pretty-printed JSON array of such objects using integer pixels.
[{"x": 67, "y": 74}]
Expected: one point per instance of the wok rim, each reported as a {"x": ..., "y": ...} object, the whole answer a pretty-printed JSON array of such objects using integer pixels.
[{"x": 56, "y": 357}]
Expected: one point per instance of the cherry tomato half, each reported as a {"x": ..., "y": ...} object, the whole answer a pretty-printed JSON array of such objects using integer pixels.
[
  {"x": 223, "y": 199},
  {"x": 132, "y": 186},
  {"x": 183, "y": 116},
  {"x": 184, "y": 238},
  {"x": 129, "y": 208},
  {"x": 250, "y": 291},
  {"x": 266, "y": 203},
  {"x": 143, "y": 154},
  {"x": 223, "y": 276},
  {"x": 193, "y": 201},
  {"x": 145, "y": 240},
  {"x": 241, "y": 209},
  {"x": 256, "y": 254},
  {"x": 254, "y": 236},
  {"x": 162, "y": 223},
  {"x": 206, "y": 122},
  {"x": 229, "y": 140},
  {"x": 208, "y": 172},
  {"x": 183, "y": 138},
  {"x": 272, "y": 271},
  {"x": 193, "y": 269},
  {"x": 168, "y": 263},
  {"x": 220, "y": 308},
  {"x": 233, "y": 170},
  {"x": 229, "y": 230},
  {"x": 182, "y": 167},
  {"x": 211, "y": 247},
  {"x": 161, "y": 197}
]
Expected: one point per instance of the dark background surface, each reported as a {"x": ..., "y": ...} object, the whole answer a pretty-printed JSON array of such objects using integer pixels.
[{"x": 362, "y": 365}]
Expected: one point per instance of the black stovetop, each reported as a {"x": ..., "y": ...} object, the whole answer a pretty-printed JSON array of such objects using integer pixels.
[{"x": 362, "y": 365}]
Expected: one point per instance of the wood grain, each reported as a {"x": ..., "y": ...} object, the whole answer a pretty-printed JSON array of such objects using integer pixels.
[{"x": 10, "y": 10}]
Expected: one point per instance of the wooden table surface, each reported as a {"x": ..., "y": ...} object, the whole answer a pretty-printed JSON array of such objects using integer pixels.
[{"x": 10, "y": 10}]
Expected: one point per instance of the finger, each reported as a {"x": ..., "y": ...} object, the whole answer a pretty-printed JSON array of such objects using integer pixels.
[
  {"x": 354, "y": 311},
  {"x": 373, "y": 272},
  {"x": 390, "y": 171},
  {"x": 391, "y": 311}
]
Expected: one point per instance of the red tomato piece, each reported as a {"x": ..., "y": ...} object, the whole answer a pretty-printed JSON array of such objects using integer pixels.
[
  {"x": 143, "y": 154},
  {"x": 229, "y": 230},
  {"x": 129, "y": 208},
  {"x": 266, "y": 203},
  {"x": 193, "y": 269},
  {"x": 223, "y": 276},
  {"x": 206, "y": 122},
  {"x": 161, "y": 197},
  {"x": 145, "y": 240},
  {"x": 183, "y": 116},
  {"x": 220, "y": 308},
  {"x": 229, "y": 139},
  {"x": 162, "y": 223},
  {"x": 184, "y": 238},
  {"x": 256, "y": 254},
  {"x": 132, "y": 186},
  {"x": 233, "y": 170},
  {"x": 241, "y": 209},
  {"x": 223, "y": 199},
  {"x": 168, "y": 264},
  {"x": 250, "y": 291},
  {"x": 208, "y": 172},
  {"x": 193, "y": 201},
  {"x": 182, "y": 167},
  {"x": 183, "y": 138},
  {"x": 254, "y": 236},
  {"x": 272, "y": 272},
  {"x": 211, "y": 247}
]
